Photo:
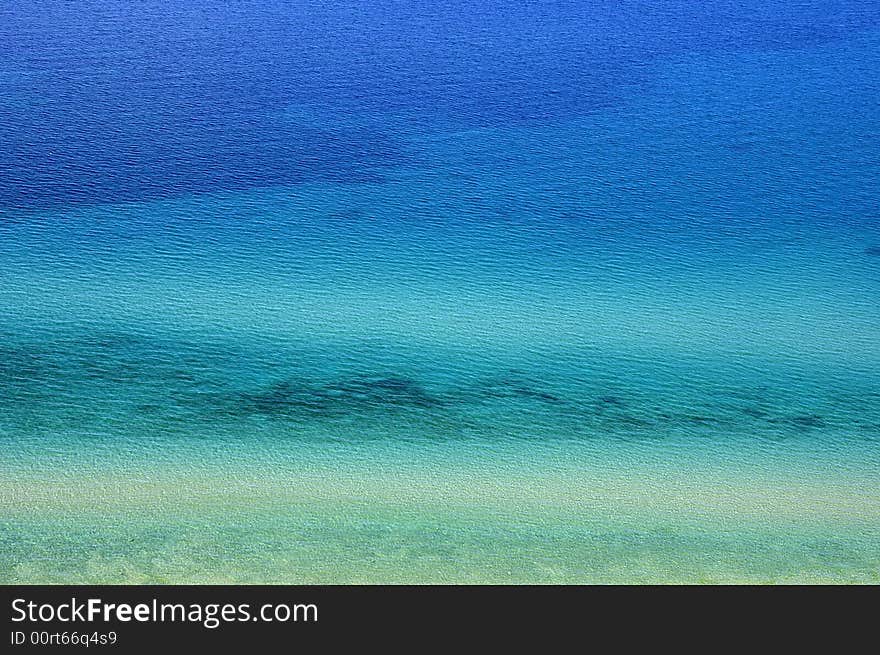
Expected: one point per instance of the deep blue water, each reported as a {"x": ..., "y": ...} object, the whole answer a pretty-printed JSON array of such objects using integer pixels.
[{"x": 105, "y": 102}]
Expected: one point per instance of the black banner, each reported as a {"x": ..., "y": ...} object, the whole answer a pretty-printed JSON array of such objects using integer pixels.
[{"x": 138, "y": 618}]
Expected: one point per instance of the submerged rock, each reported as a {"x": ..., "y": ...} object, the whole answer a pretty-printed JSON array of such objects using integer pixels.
[
  {"x": 396, "y": 390},
  {"x": 356, "y": 394},
  {"x": 516, "y": 388},
  {"x": 807, "y": 421},
  {"x": 754, "y": 412},
  {"x": 802, "y": 421}
]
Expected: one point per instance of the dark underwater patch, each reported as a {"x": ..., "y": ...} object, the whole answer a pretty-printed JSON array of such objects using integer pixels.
[
  {"x": 696, "y": 419},
  {"x": 350, "y": 215},
  {"x": 873, "y": 251},
  {"x": 387, "y": 390},
  {"x": 801, "y": 421},
  {"x": 754, "y": 412},
  {"x": 808, "y": 421},
  {"x": 509, "y": 387},
  {"x": 356, "y": 394}
]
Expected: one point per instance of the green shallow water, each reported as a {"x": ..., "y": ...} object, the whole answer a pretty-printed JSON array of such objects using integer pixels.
[
  {"x": 507, "y": 489},
  {"x": 491, "y": 519}
]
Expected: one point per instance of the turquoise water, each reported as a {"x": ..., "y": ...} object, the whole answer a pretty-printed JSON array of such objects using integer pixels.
[{"x": 635, "y": 339}]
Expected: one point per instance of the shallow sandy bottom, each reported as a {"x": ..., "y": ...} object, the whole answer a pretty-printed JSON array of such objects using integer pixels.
[{"x": 454, "y": 513}]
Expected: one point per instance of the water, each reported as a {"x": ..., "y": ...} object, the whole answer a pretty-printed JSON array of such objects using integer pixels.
[{"x": 421, "y": 294}]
